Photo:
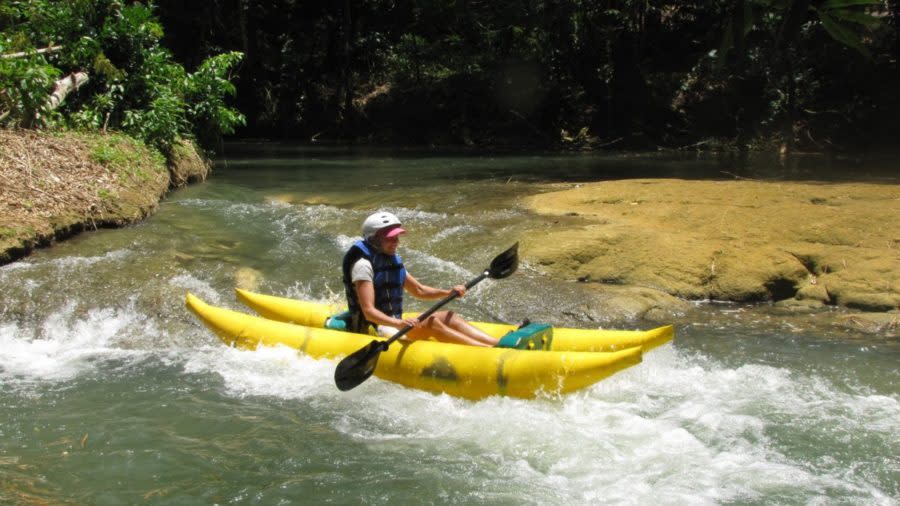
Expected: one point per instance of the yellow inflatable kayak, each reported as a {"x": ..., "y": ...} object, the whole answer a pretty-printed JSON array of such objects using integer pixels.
[
  {"x": 312, "y": 314},
  {"x": 462, "y": 371}
]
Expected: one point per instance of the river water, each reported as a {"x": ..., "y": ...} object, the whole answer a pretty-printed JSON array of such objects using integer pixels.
[{"x": 112, "y": 393}]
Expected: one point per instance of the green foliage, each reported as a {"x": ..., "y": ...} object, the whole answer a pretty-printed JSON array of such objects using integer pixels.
[
  {"x": 840, "y": 18},
  {"x": 122, "y": 154},
  {"x": 135, "y": 84},
  {"x": 783, "y": 20},
  {"x": 25, "y": 83},
  {"x": 205, "y": 92},
  {"x": 663, "y": 73},
  {"x": 113, "y": 153},
  {"x": 789, "y": 53}
]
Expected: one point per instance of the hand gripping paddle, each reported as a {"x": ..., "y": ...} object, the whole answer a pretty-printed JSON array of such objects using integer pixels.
[{"x": 359, "y": 365}]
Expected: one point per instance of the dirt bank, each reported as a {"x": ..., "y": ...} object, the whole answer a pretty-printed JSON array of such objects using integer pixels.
[
  {"x": 53, "y": 185},
  {"x": 804, "y": 245}
]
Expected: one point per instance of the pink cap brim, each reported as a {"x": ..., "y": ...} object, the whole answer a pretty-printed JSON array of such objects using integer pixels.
[{"x": 394, "y": 232}]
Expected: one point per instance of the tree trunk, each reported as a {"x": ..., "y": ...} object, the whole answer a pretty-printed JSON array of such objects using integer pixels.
[
  {"x": 51, "y": 49},
  {"x": 787, "y": 125},
  {"x": 346, "y": 71},
  {"x": 895, "y": 20},
  {"x": 794, "y": 18},
  {"x": 61, "y": 90},
  {"x": 737, "y": 31},
  {"x": 242, "y": 24},
  {"x": 65, "y": 86}
]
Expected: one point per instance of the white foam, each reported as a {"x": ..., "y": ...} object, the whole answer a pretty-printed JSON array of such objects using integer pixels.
[
  {"x": 15, "y": 266},
  {"x": 344, "y": 242},
  {"x": 63, "y": 345},
  {"x": 448, "y": 232},
  {"x": 303, "y": 291},
  {"x": 439, "y": 264},
  {"x": 197, "y": 286},
  {"x": 675, "y": 429},
  {"x": 308, "y": 220},
  {"x": 229, "y": 207},
  {"x": 67, "y": 263},
  {"x": 320, "y": 213},
  {"x": 408, "y": 215},
  {"x": 267, "y": 371}
]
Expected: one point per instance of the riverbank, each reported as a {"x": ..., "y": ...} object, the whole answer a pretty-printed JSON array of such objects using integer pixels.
[
  {"x": 56, "y": 184},
  {"x": 804, "y": 246},
  {"x": 642, "y": 248}
]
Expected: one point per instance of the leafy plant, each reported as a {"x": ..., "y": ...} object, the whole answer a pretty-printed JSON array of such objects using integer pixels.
[
  {"x": 123, "y": 155},
  {"x": 25, "y": 84},
  {"x": 135, "y": 84},
  {"x": 205, "y": 93}
]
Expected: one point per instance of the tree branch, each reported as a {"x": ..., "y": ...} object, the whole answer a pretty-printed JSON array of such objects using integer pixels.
[
  {"x": 65, "y": 86},
  {"x": 22, "y": 54}
]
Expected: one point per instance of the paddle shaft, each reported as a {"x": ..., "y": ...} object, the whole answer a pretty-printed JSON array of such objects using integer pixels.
[
  {"x": 360, "y": 365},
  {"x": 426, "y": 314}
]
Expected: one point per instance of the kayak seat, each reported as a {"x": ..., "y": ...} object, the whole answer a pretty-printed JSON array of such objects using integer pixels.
[
  {"x": 343, "y": 321},
  {"x": 529, "y": 336},
  {"x": 340, "y": 321}
]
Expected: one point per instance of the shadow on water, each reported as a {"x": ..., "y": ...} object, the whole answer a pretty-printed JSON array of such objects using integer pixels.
[{"x": 549, "y": 167}]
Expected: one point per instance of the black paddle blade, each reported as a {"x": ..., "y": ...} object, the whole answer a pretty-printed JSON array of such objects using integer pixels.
[
  {"x": 505, "y": 263},
  {"x": 358, "y": 366}
]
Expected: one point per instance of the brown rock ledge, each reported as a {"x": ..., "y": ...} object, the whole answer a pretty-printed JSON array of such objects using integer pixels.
[{"x": 835, "y": 243}]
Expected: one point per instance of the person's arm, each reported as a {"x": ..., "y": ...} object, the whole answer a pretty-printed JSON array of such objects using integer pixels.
[
  {"x": 418, "y": 290},
  {"x": 365, "y": 293}
]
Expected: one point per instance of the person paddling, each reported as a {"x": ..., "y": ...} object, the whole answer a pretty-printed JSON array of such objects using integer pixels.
[{"x": 375, "y": 280}]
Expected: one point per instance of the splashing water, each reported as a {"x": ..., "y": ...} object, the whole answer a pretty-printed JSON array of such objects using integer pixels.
[{"x": 114, "y": 393}]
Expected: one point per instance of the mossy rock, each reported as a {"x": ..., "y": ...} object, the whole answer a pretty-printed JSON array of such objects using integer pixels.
[
  {"x": 79, "y": 181},
  {"x": 186, "y": 165},
  {"x": 725, "y": 240}
]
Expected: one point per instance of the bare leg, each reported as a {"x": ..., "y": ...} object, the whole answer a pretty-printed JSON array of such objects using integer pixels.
[
  {"x": 449, "y": 327},
  {"x": 459, "y": 324}
]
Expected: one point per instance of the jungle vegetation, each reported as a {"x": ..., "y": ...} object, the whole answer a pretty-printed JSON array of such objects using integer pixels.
[
  {"x": 99, "y": 64},
  {"x": 788, "y": 74}
]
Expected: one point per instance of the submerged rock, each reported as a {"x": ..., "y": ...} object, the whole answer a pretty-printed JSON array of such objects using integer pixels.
[
  {"x": 247, "y": 278},
  {"x": 632, "y": 302},
  {"x": 887, "y": 324},
  {"x": 800, "y": 305},
  {"x": 186, "y": 165}
]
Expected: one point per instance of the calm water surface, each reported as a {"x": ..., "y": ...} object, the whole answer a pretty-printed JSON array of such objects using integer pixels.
[{"x": 113, "y": 394}]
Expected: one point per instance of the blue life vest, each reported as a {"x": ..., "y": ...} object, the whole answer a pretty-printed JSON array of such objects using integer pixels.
[{"x": 388, "y": 283}]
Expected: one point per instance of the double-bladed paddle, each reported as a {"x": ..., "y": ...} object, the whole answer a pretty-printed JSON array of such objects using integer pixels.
[{"x": 359, "y": 365}]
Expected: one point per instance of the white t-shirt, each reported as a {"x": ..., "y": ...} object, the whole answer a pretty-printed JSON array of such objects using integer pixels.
[{"x": 362, "y": 271}]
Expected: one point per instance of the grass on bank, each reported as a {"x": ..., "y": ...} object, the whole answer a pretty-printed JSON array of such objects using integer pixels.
[
  {"x": 123, "y": 155},
  {"x": 58, "y": 183}
]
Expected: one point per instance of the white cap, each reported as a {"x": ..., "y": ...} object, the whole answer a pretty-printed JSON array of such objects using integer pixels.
[{"x": 381, "y": 220}]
